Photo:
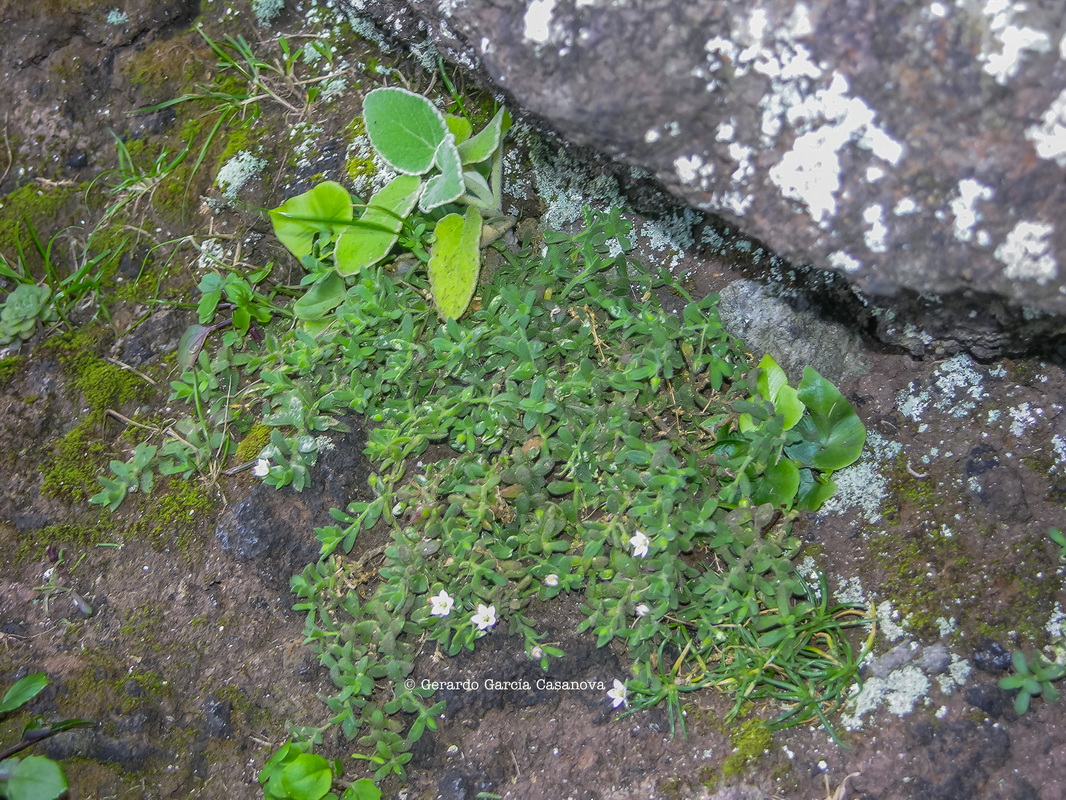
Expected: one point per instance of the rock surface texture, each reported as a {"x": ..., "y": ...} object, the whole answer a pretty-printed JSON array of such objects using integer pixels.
[{"x": 909, "y": 146}]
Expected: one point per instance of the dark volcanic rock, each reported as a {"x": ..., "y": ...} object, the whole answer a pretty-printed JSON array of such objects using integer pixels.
[{"x": 908, "y": 146}]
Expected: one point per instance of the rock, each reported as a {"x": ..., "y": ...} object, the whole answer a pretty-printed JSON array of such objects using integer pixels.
[
  {"x": 934, "y": 659},
  {"x": 271, "y": 526},
  {"x": 992, "y": 700},
  {"x": 918, "y": 149},
  {"x": 788, "y": 327},
  {"x": 990, "y": 656},
  {"x": 895, "y": 658}
]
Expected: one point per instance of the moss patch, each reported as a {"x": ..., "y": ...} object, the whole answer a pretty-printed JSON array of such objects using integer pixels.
[
  {"x": 9, "y": 367},
  {"x": 253, "y": 443},
  {"x": 77, "y": 458},
  {"x": 32, "y": 207},
  {"x": 173, "y": 517}
]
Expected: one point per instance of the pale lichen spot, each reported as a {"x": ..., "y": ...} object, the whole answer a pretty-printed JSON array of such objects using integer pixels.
[
  {"x": 1026, "y": 252},
  {"x": 1049, "y": 135},
  {"x": 1003, "y": 57},
  {"x": 841, "y": 259},
  {"x": 905, "y": 206},
  {"x": 964, "y": 207},
  {"x": 876, "y": 232},
  {"x": 538, "y": 20},
  {"x": 691, "y": 169},
  {"x": 810, "y": 171}
]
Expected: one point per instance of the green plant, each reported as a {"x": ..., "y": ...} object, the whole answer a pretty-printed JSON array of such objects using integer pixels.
[
  {"x": 32, "y": 777},
  {"x": 441, "y": 165},
  {"x": 27, "y": 305},
  {"x": 130, "y": 476},
  {"x": 293, "y": 774},
  {"x": 1059, "y": 539},
  {"x": 1032, "y": 677}
]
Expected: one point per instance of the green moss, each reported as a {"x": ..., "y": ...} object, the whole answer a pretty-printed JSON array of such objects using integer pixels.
[
  {"x": 245, "y": 137},
  {"x": 173, "y": 517},
  {"x": 31, "y": 206},
  {"x": 105, "y": 386},
  {"x": 9, "y": 367},
  {"x": 76, "y": 537},
  {"x": 360, "y": 167},
  {"x": 167, "y": 68},
  {"x": 253, "y": 443},
  {"x": 77, "y": 459},
  {"x": 750, "y": 742}
]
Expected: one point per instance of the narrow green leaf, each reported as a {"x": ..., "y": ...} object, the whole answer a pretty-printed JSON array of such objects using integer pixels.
[
  {"x": 24, "y": 690},
  {"x": 360, "y": 247},
  {"x": 299, "y": 219},
  {"x": 455, "y": 261},
  {"x": 447, "y": 187},
  {"x": 405, "y": 128},
  {"x": 481, "y": 147}
]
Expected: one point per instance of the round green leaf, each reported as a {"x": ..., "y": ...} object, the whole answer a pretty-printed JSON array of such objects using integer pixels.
[
  {"x": 778, "y": 484},
  {"x": 35, "y": 778},
  {"x": 363, "y": 245},
  {"x": 454, "y": 262},
  {"x": 833, "y": 435},
  {"x": 405, "y": 128},
  {"x": 321, "y": 298},
  {"x": 308, "y": 777},
  {"x": 299, "y": 219}
]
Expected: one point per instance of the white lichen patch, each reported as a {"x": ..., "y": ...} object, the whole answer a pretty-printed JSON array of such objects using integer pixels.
[
  {"x": 1049, "y": 135},
  {"x": 851, "y": 592},
  {"x": 956, "y": 390},
  {"x": 863, "y": 485},
  {"x": 905, "y": 206},
  {"x": 1023, "y": 417},
  {"x": 876, "y": 232},
  {"x": 956, "y": 676},
  {"x": 841, "y": 259},
  {"x": 886, "y": 622},
  {"x": 899, "y": 692},
  {"x": 1026, "y": 252},
  {"x": 831, "y": 119},
  {"x": 236, "y": 173},
  {"x": 1007, "y": 42},
  {"x": 537, "y": 21},
  {"x": 1058, "y": 447},
  {"x": 964, "y": 207}
]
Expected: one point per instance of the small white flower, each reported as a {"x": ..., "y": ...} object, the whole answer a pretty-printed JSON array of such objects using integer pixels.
[
  {"x": 261, "y": 468},
  {"x": 441, "y": 605},
  {"x": 485, "y": 617},
  {"x": 536, "y": 652},
  {"x": 639, "y": 542},
  {"x": 618, "y": 694},
  {"x": 551, "y": 580},
  {"x": 642, "y": 609}
]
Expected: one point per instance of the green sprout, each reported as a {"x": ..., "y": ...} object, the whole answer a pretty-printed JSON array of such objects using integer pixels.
[{"x": 1032, "y": 678}]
